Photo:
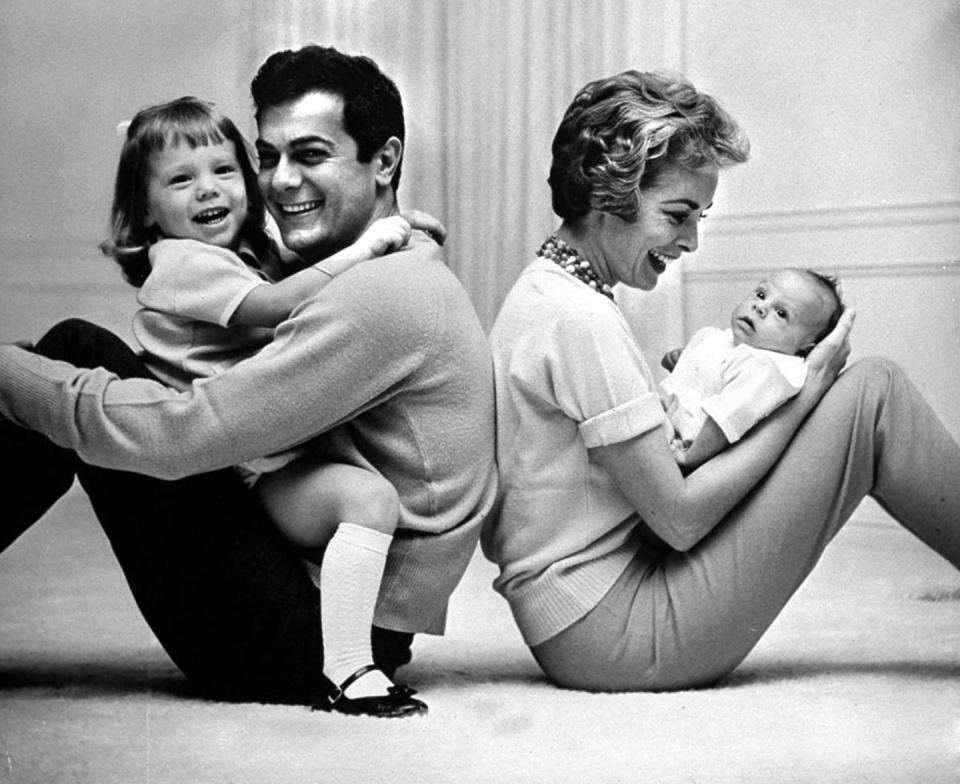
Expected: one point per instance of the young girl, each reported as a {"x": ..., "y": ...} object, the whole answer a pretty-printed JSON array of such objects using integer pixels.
[{"x": 188, "y": 231}]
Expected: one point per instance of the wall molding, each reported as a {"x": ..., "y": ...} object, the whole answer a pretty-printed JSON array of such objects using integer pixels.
[
  {"x": 943, "y": 213},
  {"x": 845, "y": 271}
]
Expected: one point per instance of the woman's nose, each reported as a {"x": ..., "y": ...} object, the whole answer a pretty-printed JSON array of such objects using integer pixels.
[{"x": 689, "y": 239}]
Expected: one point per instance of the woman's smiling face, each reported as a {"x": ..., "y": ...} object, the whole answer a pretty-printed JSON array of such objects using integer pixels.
[{"x": 636, "y": 254}]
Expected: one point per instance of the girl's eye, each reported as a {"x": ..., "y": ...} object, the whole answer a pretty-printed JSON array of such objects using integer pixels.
[
  {"x": 179, "y": 179},
  {"x": 225, "y": 169}
]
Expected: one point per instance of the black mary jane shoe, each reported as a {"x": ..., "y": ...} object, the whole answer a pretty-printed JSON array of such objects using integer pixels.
[{"x": 397, "y": 703}]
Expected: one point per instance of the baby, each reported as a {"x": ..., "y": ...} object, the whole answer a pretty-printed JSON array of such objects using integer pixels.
[{"x": 727, "y": 380}]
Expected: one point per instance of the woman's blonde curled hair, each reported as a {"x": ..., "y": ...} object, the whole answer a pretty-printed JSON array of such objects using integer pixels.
[{"x": 619, "y": 133}]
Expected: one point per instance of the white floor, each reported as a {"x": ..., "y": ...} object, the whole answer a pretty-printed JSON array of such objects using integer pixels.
[{"x": 857, "y": 681}]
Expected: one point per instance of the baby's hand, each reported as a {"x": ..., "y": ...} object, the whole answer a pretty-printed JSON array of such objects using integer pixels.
[
  {"x": 384, "y": 236},
  {"x": 429, "y": 224},
  {"x": 670, "y": 359}
]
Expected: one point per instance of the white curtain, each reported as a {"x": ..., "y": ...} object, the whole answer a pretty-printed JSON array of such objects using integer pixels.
[{"x": 485, "y": 83}]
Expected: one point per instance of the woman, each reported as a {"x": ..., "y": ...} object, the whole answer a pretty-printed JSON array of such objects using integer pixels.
[{"x": 622, "y": 572}]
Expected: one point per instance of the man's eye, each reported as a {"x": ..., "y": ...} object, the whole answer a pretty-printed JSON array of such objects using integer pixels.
[
  {"x": 268, "y": 160},
  {"x": 312, "y": 156}
]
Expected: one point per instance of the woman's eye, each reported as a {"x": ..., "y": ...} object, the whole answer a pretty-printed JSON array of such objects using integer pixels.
[{"x": 677, "y": 218}]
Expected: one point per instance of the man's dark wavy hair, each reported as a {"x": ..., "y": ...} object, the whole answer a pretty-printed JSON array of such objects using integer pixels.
[{"x": 372, "y": 108}]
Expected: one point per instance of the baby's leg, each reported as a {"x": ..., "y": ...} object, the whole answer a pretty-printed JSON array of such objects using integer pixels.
[{"x": 344, "y": 518}]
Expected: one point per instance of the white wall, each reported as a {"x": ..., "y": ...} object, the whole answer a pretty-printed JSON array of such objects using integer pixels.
[
  {"x": 70, "y": 73},
  {"x": 851, "y": 107},
  {"x": 853, "y": 110}
]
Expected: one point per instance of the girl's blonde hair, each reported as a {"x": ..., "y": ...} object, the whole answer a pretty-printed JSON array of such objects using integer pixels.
[{"x": 186, "y": 120}]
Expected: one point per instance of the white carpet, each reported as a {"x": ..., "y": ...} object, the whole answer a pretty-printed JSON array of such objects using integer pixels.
[{"x": 857, "y": 681}]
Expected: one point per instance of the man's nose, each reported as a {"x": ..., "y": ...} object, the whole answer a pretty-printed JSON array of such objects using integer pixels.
[{"x": 285, "y": 175}]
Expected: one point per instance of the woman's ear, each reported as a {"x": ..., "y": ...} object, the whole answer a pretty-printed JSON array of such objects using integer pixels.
[{"x": 387, "y": 159}]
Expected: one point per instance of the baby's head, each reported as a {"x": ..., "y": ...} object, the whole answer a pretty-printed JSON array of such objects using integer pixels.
[{"x": 790, "y": 312}]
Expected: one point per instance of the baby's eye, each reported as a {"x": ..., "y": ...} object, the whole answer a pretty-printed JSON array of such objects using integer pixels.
[
  {"x": 781, "y": 313},
  {"x": 760, "y": 294}
]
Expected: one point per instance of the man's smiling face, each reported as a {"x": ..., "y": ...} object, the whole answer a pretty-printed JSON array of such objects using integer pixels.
[{"x": 320, "y": 195}]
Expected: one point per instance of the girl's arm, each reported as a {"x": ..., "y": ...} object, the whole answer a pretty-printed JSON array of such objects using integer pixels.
[
  {"x": 680, "y": 509},
  {"x": 268, "y": 306}
]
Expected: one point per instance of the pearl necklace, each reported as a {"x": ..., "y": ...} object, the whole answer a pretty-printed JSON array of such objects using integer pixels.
[{"x": 571, "y": 261}]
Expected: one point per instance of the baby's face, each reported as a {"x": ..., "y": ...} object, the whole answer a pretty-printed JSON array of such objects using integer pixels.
[{"x": 784, "y": 313}]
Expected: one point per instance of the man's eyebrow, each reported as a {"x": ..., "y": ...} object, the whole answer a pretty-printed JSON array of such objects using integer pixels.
[{"x": 298, "y": 142}]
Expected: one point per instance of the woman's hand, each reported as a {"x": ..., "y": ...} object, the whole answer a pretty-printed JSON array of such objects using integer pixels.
[{"x": 828, "y": 357}]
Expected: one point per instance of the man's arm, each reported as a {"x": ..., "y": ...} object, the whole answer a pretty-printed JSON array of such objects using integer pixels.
[{"x": 313, "y": 376}]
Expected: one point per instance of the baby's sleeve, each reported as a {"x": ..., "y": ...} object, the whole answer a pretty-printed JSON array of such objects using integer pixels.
[{"x": 753, "y": 388}]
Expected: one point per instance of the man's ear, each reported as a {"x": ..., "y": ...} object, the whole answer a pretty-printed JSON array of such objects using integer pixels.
[{"x": 387, "y": 159}]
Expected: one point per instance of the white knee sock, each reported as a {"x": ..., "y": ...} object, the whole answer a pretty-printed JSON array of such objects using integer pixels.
[{"x": 349, "y": 582}]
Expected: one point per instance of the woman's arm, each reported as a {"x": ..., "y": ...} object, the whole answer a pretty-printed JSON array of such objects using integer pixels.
[{"x": 680, "y": 509}]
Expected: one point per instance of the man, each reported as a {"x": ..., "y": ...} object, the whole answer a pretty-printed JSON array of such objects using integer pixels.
[{"x": 387, "y": 366}]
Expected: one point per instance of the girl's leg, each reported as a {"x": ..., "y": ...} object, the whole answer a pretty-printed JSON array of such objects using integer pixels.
[
  {"x": 225, "y": 595},
  {"x": 686, "y": 619},
  {"x": 351, "y": 513}
]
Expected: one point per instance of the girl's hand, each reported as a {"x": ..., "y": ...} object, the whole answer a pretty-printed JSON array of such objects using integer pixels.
[
  {"x": 429, "y": 224},
  {"x": 384, "y": 236},
  {"x": 828, "y": 357}
]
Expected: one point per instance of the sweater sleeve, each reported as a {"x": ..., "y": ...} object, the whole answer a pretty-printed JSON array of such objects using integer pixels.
[
  {"x": 601, "y": 379},
  {"x": 339, "y": 354}
]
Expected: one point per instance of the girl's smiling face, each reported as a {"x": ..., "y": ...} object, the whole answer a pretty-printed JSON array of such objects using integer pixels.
[
  {"x": 637, "y": 253},
  {"x": 197, "y": 193}
]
